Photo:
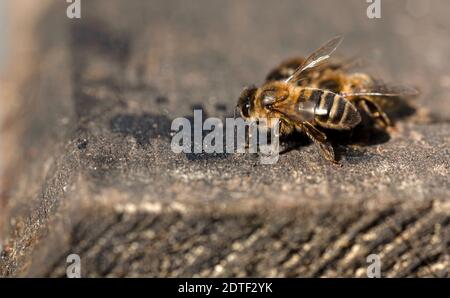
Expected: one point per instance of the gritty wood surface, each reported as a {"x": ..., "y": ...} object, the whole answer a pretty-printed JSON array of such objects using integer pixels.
[{"x": 97, "y": 176}]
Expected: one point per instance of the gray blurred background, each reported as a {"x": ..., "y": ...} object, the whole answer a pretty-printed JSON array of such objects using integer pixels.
[{"x": 3, "y": 32}]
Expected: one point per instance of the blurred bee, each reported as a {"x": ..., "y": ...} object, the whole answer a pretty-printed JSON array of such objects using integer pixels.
[{"x": 310, "y": 94}]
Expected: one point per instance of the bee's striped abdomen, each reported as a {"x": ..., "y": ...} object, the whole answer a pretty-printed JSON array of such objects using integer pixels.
[
  {"x": 321, "y": 107},
  {"x": 334, "y": 111}
]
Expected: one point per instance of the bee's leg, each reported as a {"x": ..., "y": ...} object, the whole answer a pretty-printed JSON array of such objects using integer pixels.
[
  {"x": 287, "y": 128},
  {"x": 320, "y": 139},
  {"x": 375, "y": 111}
]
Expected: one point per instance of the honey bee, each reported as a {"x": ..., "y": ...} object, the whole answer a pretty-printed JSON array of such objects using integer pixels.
[{"x": 312, "y": 94}]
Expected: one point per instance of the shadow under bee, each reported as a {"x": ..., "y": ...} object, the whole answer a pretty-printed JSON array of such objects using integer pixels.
[{"x": 367, "y": 133}]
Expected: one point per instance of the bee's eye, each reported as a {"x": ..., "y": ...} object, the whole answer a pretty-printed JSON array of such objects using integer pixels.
[
  {"x": 246, "y": 109},
  {"x": 245, "y": 101}
]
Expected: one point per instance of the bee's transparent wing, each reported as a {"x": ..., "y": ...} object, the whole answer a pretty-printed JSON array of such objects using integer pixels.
[
  {"x": 316, "y": 58},
  {"x": 385, "y": 90}
]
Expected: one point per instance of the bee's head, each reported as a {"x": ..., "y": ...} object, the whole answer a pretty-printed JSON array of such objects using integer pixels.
[{"x": 245, "y": 103}]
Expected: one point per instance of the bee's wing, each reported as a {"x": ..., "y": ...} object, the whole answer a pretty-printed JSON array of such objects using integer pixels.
[
  {"x": 384, "y": 90},
  {"x": 316, "y": 58}
]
